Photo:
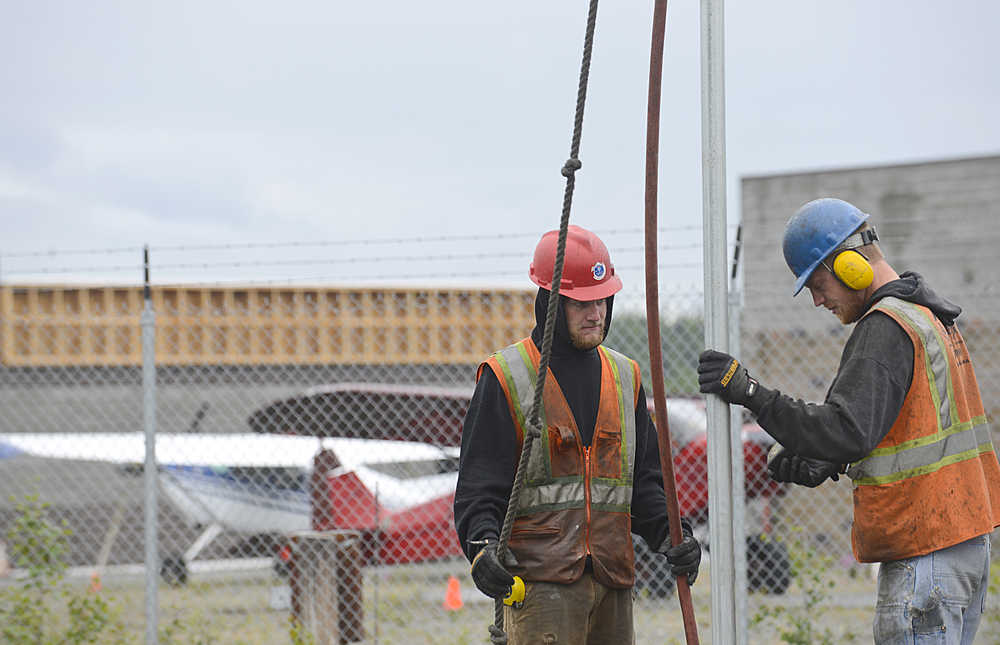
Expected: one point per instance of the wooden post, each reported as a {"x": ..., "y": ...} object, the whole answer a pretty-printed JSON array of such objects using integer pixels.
[{"x": 326, "y": 585}]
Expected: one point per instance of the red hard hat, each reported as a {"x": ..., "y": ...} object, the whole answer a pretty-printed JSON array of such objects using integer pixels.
[{"x": 587, "y": 270}]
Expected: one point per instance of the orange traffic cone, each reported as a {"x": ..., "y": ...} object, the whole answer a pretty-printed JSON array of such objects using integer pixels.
[
  {"x": 95, "y": 583},
  {"x": 453, "y": 595}
]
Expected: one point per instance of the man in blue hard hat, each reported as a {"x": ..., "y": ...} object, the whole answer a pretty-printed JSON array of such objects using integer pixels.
[{"x": 903, "y": 418}]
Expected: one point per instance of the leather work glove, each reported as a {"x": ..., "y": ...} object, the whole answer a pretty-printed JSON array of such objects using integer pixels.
[
  {"x": 686, "y": 556},
  {"x": 720, "y": 373},
  {"x": 785, "y": 466},
  {"x": 489, "y": 575}
]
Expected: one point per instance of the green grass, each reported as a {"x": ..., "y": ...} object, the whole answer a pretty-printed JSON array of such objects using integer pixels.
[
  {"x": 401, "y": 605},
  {"x": 404, "y": 605}
]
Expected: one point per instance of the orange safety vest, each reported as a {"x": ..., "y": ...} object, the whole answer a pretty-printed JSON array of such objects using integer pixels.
[
  {"x": 934, "y": 480},
  {"x": 576, "y": 500}
]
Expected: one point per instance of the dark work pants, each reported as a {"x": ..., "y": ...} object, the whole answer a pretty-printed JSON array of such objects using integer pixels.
[{"x": 582, "y": 613}]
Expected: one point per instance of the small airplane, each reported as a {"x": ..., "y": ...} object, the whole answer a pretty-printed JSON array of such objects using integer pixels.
[
  {"x": 255, "y": 484},
  {"x": 380, "y": 459}
]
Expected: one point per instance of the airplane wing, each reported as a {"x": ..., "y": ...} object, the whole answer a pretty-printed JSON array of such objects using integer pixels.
[
  {"x": 252, "y": 482},
  {"x": 244, "y": 450},
  {"x": 233, "y": 450}
]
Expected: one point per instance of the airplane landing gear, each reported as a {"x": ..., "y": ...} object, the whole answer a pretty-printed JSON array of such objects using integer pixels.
[
  {"x": 174, "y": 570},
  {"x": 769, "y": 569}
]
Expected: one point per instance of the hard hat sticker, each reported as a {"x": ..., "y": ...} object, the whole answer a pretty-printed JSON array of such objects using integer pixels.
[{"x": 598, "y": 270}]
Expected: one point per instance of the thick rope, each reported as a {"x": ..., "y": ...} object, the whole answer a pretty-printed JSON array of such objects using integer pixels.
[{"x": 497, "y": 634}]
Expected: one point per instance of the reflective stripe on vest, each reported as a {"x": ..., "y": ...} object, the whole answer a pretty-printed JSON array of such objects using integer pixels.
[
  {"x": 519, "y": 374},
  {"x": 952, "y": 441},
  {"x": 542, "y": 492}
]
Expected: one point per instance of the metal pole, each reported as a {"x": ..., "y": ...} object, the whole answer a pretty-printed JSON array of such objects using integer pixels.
[
  {"x": 739, "y": 474},
  {"x": 148, "y": 323},
  {"x": 720, "y": 444}
]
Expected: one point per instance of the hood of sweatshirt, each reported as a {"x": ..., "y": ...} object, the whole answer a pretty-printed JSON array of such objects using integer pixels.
[
  {"x": 913, "y": 288},
  {"x": 578, "y": 372}
]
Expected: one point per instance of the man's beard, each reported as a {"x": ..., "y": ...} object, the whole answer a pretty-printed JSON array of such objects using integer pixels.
[
  {"x": 584, "y": 344},
  {"x": 849, "y": 313}
]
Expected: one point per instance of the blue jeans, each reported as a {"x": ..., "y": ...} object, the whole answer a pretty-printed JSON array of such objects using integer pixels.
[{"x": 936, "y": 598}]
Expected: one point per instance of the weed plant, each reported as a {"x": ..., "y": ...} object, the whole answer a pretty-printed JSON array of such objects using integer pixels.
[
  {"x": 40, "y": 607},
  {"x": 805, "y": 624}
]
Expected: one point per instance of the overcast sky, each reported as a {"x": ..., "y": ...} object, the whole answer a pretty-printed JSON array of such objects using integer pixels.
[{"x": 200, "y": 122}]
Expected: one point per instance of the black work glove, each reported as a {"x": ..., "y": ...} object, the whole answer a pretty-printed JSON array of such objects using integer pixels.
[
  {"x": 489, "y": 575},
  {"x": 720, "y": 373},
  {"x": 785, "y": 466},
  {"x": 686, "y": 556}
]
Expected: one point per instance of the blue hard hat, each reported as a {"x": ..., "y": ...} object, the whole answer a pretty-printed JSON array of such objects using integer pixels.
[{"x": 814, "y": 231}]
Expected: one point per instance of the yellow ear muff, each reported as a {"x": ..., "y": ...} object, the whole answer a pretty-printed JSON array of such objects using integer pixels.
[{"x": 853, "y": 270}]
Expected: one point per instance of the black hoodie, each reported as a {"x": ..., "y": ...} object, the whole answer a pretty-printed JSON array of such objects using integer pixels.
[
  {"x": 490, "y": 451},
  {"x": 867, "y": 393}
]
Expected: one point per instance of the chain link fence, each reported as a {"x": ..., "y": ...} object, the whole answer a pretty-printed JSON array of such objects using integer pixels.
[{"x": 307, "y": 435}]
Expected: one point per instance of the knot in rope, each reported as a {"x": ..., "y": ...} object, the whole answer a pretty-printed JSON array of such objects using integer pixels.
[
  {"x": 497, "y": 636},
  {"x": 570, "y": 167}
]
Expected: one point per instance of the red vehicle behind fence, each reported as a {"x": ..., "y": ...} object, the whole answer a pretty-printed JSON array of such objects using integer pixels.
[{"x": 403, "y": 507}]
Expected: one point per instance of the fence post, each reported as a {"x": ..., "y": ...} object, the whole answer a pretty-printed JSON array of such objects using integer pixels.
[
  {"x": 148, "y": 323},
  {"x": 326, "y": 584},
  {"x": 739, "y": 474},
  {"x": 720, "y": 439}
]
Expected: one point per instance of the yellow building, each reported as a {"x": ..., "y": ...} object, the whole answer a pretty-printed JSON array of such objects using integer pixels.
[{"x": 54, "y": 325}]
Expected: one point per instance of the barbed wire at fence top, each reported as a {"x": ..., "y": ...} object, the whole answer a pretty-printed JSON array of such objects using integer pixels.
[
  {"x": 458, "y": 237},
  {"x": 424, "y": 258}
]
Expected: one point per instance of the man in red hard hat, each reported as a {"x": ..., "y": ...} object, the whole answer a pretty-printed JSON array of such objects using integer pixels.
[{"x": 592, "y": 479}]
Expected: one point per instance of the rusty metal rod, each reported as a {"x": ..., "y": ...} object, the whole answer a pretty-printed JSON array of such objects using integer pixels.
[{"x": 653, "y": 308}]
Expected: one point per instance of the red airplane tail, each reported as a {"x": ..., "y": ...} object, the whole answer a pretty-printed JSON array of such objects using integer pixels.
[{"x": 340, "y": 501}]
